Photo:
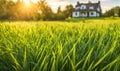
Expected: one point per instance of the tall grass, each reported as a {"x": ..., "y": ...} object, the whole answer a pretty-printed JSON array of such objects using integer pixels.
[{"x": 89, "y": 45}]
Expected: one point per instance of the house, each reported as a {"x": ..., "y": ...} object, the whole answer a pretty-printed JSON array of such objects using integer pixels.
[{"x": 87, "y": 10}]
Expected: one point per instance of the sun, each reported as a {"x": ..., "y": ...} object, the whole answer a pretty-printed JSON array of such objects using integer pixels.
[
  {"x": 34, "y": 1},
  {"x": 28, "y": 1}
]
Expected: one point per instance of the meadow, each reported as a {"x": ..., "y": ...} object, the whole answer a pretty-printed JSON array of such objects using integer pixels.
[{"x": 77, "y": 45}]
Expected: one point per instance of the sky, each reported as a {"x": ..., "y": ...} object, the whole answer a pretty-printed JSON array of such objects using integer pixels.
[{"x": 105, "y": 4}]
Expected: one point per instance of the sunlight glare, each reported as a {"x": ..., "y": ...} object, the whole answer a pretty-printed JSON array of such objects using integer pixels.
[
  {"x": 26, "y": 1},
  {"x": 14, "y": 0},
  {"x": 34, "y": 1}
]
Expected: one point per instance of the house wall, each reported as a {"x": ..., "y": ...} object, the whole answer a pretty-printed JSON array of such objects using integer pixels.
[
  {"x": 87, "y": 10},
  {"x": 98, "y": 15},
  {"x": 83, "y": 14},
  {"x": 75, "y": 14}
]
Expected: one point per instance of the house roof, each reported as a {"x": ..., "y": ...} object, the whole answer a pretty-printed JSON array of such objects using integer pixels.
[{"x": 88, "y": 5}]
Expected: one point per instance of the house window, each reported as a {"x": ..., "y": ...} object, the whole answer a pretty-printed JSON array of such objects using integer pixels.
[
  {"x": 91, "y": 7},
  {"x": 76, "y": 13},
  {"x": 92, "y": 13},
  {"x": 83, "y": 7},
  {"x": 98, "y": 9}
]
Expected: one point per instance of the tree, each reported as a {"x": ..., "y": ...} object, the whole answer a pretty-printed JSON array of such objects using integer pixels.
[
  {"x": 68, "y": 11},
  {"x": 59, "y": 15},
  {"x": 10, "y": 10},
  {"x": 115, "y": 11},
  {"x": 6, "y": 9},
  {"x": 44, "y": 10},
  {"x": 17, "y": 10},
  {"x": 59, "y": 9},
  {"x": 24, "y": 12},
  {"x": 3, "y": 9}
]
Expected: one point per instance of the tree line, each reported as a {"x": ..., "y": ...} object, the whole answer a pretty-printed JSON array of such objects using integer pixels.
[
  {"x": 115, "y": 12},
  {"x": 10, "y": 10}
]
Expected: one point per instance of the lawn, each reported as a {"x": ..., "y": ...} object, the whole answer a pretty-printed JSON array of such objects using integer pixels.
[{"x": 71, "y": 45}]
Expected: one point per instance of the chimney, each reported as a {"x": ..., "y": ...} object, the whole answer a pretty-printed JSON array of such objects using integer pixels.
[
  {"x": 99, "y": 2},
  {"x": 78, "y": 3},
  {"x": 89, "y": 1}
]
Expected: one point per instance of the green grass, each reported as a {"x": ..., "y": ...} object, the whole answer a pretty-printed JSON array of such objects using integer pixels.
[{"x": 87, "y": 45}]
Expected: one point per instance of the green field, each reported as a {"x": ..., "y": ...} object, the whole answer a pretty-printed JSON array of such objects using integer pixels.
[{"x": 85, "y": 45}]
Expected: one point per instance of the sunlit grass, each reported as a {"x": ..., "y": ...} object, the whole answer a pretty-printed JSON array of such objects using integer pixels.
[{"x": 86, "y": 45}]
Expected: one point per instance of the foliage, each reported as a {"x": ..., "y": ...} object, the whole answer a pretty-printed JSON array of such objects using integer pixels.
[
  {"x": 115, "y": 11},
  {"x": 10, "y": 10},
  {"x": 16, "y": 11},
  {"x": 68, "y": 11},
  {"x": 64, "y": 14},
  {"x": 45, "y": 11},
  {"x": 35, "y": 11},
  {"x": 88, "y": 45}
]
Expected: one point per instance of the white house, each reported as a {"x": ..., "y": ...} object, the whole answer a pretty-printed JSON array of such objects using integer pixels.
[{"x": 87, "y": 10}]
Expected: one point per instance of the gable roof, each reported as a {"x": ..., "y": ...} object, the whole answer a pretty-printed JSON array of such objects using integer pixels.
[{"x": 88, "y": 5}]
